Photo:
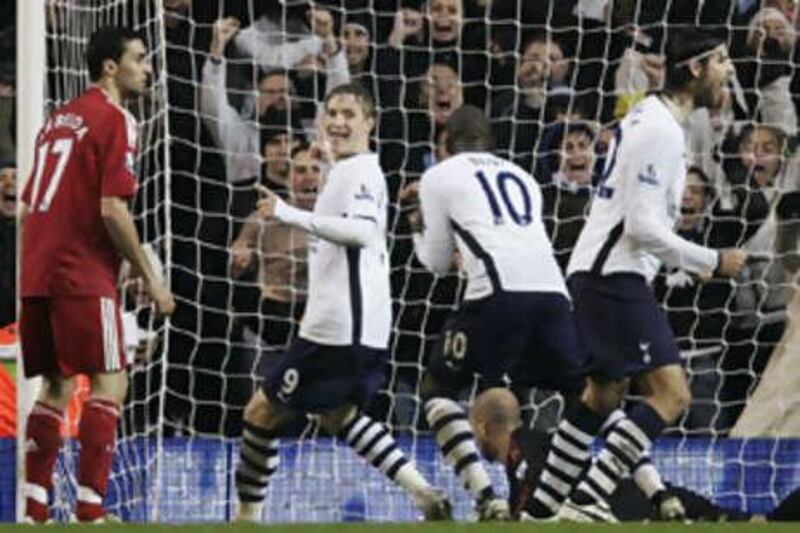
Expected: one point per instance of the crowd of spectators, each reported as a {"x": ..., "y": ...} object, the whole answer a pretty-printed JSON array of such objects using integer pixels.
[
  {"x": 245, "y": 81},
  {"x": 8, "y": 170}
]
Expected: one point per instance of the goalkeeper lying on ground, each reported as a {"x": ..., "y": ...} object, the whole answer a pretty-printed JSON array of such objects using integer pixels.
[{"x": 495, "y": 417}]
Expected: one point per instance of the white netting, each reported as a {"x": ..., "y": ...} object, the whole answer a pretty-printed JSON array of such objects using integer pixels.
[
  {"x": 69, "y": 25},
  {"x": 553, "y": 76}
]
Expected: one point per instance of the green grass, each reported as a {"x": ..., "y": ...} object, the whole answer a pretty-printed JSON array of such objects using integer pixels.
[{"x": 433, "y": 528}]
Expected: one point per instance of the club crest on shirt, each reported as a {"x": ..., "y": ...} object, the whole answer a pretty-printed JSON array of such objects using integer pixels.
[
  {"x": 364, "y": 194},
  {"x": 649, "y": 176}
]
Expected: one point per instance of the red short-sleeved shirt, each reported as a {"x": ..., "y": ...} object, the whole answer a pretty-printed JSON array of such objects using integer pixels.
[{"x": 84, "y": 152}]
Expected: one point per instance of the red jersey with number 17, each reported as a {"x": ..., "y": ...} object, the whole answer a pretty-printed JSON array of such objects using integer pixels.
[{"x": 84, "y": 152}]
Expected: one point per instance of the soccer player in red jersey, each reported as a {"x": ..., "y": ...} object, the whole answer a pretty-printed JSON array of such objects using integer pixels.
[{"x": 76, "y": 229}]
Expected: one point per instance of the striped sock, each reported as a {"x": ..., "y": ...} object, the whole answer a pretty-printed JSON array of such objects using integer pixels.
[
  {"x": 612, "y": 420},
  {"x": 450, "y": 425},
  {"x": 627, "y": 442},
  {"x": 373, "y": 442},
  {"x": 567, "y": 459},
  {"x": 644, "y": 473},
  {"x": 258, "y": 460}
]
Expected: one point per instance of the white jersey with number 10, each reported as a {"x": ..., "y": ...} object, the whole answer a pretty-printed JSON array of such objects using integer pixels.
[{"x": 491, "y": 211}]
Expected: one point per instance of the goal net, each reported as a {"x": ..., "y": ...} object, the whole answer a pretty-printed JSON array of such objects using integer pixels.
[
  {"x": 69, "y": 23},
  {"x": 553, "y": 77}
]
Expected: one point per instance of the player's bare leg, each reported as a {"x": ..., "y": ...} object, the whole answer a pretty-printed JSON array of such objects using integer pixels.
[
  {"x": 42, "y": 443},
  {"x": 603, "y": 396},
  {"x": 666, "y": 396},
  {"x": 259, "y": 454},
  {"x": 451, "y": 427},
  {"x": 97, "y": 434},
  {"x": 666, "y": 391},
  {"x": 373, "y": 442}
]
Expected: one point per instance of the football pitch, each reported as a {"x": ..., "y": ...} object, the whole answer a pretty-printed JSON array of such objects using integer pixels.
[{"x": 422, "y": 527}]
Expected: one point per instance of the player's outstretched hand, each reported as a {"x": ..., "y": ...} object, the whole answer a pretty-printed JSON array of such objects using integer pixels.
[
  {"x": 731, "y": 262},
  {"x": 267, "y": 202},
  {"x": 162, "y": 298}
]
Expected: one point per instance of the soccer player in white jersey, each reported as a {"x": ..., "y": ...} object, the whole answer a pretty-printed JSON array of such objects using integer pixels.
[
  {"x": 516, "y": 315},
  {"x": 339, "y": 358},
  {"x": 627, "y": 237}
]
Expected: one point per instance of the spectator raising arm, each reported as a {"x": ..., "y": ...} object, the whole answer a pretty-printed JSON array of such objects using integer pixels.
[
  {"x": 231, "y": 133},
  {"x": 337, "y": 71},
  {"x": 258, "y": 42}
]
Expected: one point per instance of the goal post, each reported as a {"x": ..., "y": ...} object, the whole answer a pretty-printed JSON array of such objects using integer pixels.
[
  {"x": 30, "y": 115},
  {"x": 52, "y": 38}
]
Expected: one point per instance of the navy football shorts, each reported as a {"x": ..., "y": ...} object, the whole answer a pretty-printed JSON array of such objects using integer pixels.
[
  {"x": 621, "y": 327},
  {"x": 528, "y": 336},
  {"x": 315, "y": 378}
]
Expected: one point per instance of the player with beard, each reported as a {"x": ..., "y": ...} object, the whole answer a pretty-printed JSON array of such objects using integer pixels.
[
  {"x": 76, "y": 229},
  {"x": 627, "y": 237}
]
